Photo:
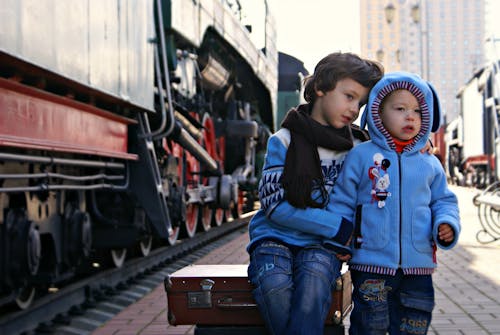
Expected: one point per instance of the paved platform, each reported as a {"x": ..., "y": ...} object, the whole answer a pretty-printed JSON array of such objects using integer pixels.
[{"x": 467, "y": 285}]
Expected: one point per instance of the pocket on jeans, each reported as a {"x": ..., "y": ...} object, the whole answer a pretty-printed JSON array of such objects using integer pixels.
[
  {"x": 320, "y": 261},
  {"x": 270, "y": 262},
  {"x": 420, "y": 303}
]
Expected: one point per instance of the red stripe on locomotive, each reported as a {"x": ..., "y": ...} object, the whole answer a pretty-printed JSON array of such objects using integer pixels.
[{"x": 35, "y": 119}]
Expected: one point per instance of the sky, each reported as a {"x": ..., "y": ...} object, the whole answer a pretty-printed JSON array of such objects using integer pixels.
[{"x": 309, "y": 30}]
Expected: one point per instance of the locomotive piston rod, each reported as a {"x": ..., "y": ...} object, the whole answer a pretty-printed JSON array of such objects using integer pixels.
[{"x": 181, "y": 136}]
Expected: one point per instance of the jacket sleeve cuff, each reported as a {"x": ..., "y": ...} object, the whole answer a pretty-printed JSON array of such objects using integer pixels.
[
  {"x": 337, "y": 248},
  {"x": 344, "y": 232},
  {"x": 446, "y": 245}
]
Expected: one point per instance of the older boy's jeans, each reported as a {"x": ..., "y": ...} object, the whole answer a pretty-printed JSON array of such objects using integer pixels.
[
  {"x": 400, "y": 304},
  {"x": 293, "y": 288}
]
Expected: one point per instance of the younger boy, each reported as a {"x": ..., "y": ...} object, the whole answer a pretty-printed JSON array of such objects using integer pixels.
[{"x": 401, "y": 207}]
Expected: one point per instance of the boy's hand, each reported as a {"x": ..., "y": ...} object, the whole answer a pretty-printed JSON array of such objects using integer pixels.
[
  {"x": 445, "y": 233},
  {"x": 428, "y": 148},
  {"x": 343, "y": 257}
]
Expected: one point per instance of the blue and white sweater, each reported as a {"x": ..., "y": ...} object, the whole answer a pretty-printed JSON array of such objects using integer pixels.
[
  {"x": 278, "y": 220},
  {"x": 397, "y": 200}
]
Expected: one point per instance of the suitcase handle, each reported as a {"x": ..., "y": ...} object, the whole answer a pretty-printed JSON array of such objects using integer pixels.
[{"x": 227, "y": 303}]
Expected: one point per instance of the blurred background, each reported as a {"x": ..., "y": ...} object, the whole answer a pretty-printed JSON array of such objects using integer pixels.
[
  {"x": 452, "y": 44},
  {"x": 444, "y": 41}
]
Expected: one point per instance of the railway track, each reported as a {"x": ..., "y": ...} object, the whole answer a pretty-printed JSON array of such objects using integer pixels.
[{"x": 83, "y": 306}]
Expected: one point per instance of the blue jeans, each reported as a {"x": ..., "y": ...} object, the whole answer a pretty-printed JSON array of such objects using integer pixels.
[
  {"x": 400, "y": 304},
  {"x": 293, "y": 287}
]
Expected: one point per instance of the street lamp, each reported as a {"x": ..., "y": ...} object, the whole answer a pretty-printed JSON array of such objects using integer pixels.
[
  {"x": 415, "y": 13},
  {"x": 389, "y": 11},
  {"x": 416, "y": 17},
  {"x": 380, "y": 55}
]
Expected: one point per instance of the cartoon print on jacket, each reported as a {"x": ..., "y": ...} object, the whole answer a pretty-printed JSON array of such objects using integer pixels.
[{"x": 380, "y": 179}]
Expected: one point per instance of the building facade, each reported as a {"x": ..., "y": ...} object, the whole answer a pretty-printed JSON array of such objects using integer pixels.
[{"x": 442, "y": 40}]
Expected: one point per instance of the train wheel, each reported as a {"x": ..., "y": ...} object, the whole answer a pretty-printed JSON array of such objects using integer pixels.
[
  {"x": 25, "y": 297},
  {"x": 218, "y": 217},
  {"x": 211, "y": 144},
  {"x": 27, "y": 252},
  {"x": 24, "y": 244},
  {"x": 146, "y": 240},
  {"x": 228, "y": 214},
  {"x": 177, "y": 208},
  {"x": 191, "y": 223},
  {"x": 145, "y": 245},
  {"x": 191, "y": 180},
  {"x": 174, "y": 236},
  {"x": 206, "y": 217},
  {"x": 237, "y": 208},
  {"x": 79, "y": 236},
  {"x": 118, "y": 257}
]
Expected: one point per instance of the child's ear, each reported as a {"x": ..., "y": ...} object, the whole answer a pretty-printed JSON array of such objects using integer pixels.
[{"x": 320, "y": 93}]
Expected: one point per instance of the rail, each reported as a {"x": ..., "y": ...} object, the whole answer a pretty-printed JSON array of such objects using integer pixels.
[
  {"x": 86, "y": 304},
  {"x": 488, "y": 210}
]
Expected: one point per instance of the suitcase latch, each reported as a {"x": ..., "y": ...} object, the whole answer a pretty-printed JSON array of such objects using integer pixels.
[
  {"x": 203, "y": 298},
  {"x": 206, "y": 284}
]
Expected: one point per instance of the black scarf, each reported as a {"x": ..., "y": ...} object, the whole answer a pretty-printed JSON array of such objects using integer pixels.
[{"x": 302, "y": 171}]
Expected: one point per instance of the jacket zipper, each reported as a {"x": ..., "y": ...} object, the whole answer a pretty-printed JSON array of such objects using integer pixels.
[
  {"x": 358, "y": 238},
  {"x": 400, "y": 212}
]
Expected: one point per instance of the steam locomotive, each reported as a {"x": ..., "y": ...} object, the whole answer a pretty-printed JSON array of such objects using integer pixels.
[
  {"x": 472, "y": 140},
  {"x": 124, "y": 125}
]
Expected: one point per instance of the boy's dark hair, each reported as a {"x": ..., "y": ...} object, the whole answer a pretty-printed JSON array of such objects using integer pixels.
[{"x": 337, "y": 66}]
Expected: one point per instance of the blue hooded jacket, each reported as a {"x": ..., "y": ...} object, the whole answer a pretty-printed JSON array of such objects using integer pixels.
[
  {"x": 396, "y": 200},
  {"x": 278, "y": 220}
]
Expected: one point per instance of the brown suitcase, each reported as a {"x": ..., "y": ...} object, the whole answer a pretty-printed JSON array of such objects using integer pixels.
[{"x": 222, "y": 295}]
